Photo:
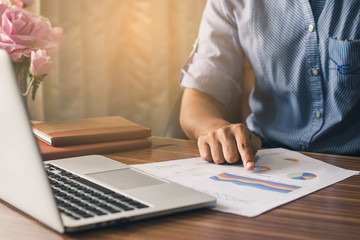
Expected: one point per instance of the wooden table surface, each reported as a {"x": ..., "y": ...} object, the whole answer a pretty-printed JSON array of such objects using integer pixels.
[{"x": 330, "y": 213}]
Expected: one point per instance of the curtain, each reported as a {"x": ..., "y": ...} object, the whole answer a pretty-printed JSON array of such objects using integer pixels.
[{"x": 119, "y": 57}]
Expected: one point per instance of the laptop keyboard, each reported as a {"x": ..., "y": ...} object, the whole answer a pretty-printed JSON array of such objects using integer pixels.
[{"x": 79, "y": 198}]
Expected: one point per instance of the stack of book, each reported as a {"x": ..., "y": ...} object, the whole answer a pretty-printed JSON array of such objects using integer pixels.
[{"x": 89, "y": 136}]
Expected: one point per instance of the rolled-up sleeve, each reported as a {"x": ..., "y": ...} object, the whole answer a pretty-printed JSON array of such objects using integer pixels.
[{"x": 217, "y": 59}]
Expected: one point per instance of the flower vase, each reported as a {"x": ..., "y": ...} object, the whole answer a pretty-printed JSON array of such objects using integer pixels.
[
  {"x": 28, "y": 39},
  {"x": 22, "y": 74}
]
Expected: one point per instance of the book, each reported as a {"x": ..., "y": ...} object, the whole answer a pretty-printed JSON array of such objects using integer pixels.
[
  {"x": 49, "y": 152},
  {"x": 89, "y": 130}
]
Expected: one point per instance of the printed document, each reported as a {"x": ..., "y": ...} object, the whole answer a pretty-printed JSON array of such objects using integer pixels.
[{"x": 280, "y": 176}]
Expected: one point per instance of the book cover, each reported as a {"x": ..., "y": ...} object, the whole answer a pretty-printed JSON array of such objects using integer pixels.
[
  {"x": 89, "y": 130},
  {"x": 49, "y": 152}
]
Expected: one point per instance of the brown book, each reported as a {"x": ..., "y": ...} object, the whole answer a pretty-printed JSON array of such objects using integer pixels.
[
  {"x": 49, "y": 152},
  {"x": 89, "y": 130}
]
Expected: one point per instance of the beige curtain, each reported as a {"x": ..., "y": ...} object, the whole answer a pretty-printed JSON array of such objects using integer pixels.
[{"x": 119, "y": 57}]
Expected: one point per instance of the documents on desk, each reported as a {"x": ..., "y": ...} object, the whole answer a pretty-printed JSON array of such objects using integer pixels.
[{"x": 280, "y": 176}]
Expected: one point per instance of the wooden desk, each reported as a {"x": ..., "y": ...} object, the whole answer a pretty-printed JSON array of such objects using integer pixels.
[{"x": 331, "y": 213}]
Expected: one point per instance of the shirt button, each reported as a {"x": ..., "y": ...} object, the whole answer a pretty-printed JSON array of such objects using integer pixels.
[
  {"x": 302, "y": 147},
  {"x": 317, "y": 114},
  {"x": 315, "y": 71},
  {"x": 311, "y": 28}
]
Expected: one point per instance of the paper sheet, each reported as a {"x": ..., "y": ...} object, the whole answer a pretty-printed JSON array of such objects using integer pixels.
[{"x": 280, "y": 176}]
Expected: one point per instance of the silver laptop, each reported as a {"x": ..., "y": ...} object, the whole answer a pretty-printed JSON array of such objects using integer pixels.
[{"x": 79, "y": 193}]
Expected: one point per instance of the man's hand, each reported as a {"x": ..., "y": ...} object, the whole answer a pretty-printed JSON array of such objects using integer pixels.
[
  {"x": 202, "y": 118},
  {"x": 230, "y": 144}
]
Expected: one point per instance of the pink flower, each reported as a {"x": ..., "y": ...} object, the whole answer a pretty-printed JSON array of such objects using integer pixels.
[
  {"x": 19, "y": 3},
  {"x": 21, "y": 33},
  {"x": 40, "y": 63}
]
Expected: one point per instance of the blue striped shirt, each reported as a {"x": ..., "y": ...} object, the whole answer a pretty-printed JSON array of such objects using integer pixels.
[{"x": 306, "y": 59}]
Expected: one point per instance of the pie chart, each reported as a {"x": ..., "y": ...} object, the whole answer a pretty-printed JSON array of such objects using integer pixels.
[{"x": 302, "y": 176}]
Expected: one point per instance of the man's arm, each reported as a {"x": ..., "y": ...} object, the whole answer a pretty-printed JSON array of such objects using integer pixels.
[{"x": 202, "y": 118}]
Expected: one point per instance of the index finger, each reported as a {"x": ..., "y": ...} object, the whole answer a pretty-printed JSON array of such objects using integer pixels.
[{"x": 244, "y": 145}]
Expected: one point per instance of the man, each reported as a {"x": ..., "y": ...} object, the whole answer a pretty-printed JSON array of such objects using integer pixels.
[{"x": 306, "y": 58}]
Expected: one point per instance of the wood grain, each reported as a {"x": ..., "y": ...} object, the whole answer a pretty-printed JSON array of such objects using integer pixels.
[{"x": 330, "y": 213}]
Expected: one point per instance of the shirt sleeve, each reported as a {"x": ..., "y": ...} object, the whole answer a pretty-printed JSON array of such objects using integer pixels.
[{"x": 217, "y": 58}]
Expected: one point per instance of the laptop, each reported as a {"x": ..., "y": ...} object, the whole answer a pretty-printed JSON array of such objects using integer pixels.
[{"x": 79, "y": 193}]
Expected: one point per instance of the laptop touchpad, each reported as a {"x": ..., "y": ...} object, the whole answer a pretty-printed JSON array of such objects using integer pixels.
[{"x": 125, "y": 179}]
